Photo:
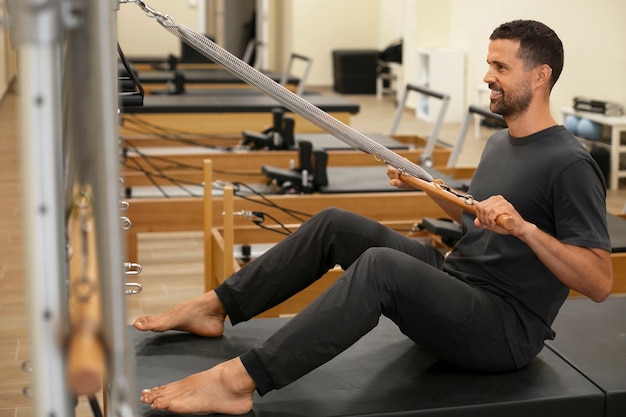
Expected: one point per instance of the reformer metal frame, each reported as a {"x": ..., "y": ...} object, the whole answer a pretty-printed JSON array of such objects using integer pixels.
[
  {"x": 68, "y": 126},
  {"x": 472, "y": 111},
  {"x": 308, "y": 62},
  {"x": 426, "y": 157}
]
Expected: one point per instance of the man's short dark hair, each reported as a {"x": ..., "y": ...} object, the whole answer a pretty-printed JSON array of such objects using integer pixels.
[{"x": 538, "y": 44}]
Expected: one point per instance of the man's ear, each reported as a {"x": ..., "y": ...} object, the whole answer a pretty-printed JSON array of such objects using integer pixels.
[{"x": 544, "y": 73}]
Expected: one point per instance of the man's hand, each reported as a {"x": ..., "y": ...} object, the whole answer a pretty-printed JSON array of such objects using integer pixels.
[
  {"x": 586, "y": 270},
  {"x": 490, "y": 210},
  {"x": 395, "y": 179}
]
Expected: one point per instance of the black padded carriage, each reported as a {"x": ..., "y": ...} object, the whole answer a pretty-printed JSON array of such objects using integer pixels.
[
  {"x": 384, "y": 374},
  {"x": 233, "y": 104},
  {"x": 592, "y": 338},
  {"x": 202, "y": 76}
]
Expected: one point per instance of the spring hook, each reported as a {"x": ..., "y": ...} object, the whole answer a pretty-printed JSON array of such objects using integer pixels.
[
  {"x": 126, "y": 223},
  {"x": 132, "y": 268},
  {"x": 133, "y": 288}
]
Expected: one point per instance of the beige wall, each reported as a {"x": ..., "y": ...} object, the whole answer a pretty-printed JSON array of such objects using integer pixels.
[
  {"x": 139, "y": 35},
  {"x": 593, "y": 34},
  {"x": 316, "y": 28}
]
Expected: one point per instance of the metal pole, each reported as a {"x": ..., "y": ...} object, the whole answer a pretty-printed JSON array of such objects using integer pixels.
[
  {"x": 69, "y": 135},
  {"x": 121, "y": 387},
  {"x": 36, "y": 30},
  {"x": 92, "y": 50}
]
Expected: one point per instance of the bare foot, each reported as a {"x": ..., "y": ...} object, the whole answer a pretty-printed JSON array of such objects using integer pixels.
[
  {"x": 225, "y": 389},
  {"x": 203, "y": 316}
]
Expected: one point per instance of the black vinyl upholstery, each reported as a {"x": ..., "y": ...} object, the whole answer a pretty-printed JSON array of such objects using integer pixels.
[
  {"x": 384, "y": 374},
  {"x": 592, "y": 337},
  {"x": 233, "y": 104}
]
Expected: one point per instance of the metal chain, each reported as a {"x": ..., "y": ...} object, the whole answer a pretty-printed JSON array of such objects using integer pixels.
[
  {"x": 467, "y": 198},
  {"x": 153, "y": 13}
]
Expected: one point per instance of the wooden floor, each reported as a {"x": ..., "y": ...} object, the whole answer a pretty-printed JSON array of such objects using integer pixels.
[
  {"x": 14, "y": 323},
  {"x": 172, "y": 263}
]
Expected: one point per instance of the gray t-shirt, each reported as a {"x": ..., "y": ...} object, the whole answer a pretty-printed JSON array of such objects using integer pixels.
[{"x": 554, "y": 183}]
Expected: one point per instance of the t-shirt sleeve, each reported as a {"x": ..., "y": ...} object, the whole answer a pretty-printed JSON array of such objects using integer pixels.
[{"x": 580, "y": 217}]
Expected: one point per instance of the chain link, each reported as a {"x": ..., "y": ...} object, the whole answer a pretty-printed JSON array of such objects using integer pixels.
[{"x": 150, "y": 12}]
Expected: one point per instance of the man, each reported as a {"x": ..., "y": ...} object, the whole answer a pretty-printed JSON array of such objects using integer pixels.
[{"x": 487, "y": 306}]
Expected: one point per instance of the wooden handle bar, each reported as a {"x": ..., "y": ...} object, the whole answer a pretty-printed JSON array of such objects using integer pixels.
[
  {"x": 503, "y": 220},
  {"x": 85, "y": 358},
  {"x": 85, "y": 350}
]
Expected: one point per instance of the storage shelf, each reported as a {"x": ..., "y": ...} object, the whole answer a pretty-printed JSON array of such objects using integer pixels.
[{"x": 441, "y": 70}]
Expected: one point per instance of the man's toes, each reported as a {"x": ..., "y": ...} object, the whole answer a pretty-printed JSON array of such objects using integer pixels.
[
  {"x": 145, "y": 396},
  {"x": 146, "y": 323},
  {"x": 149, "y": 395},
  {"x": 141, "y": 323},
  {"x": 159, "y": 404}
]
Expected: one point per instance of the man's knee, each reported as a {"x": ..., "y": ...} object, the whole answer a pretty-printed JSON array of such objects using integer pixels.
[
  {"x": 331, "y": 218},
  {"x": 332, "y": 213},
  {"x": 389, "y": 267},
  {"x": 380, "y": 262}
]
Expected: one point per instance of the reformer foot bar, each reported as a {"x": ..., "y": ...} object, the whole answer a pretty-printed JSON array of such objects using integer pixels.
[{"x": 411, "y": 172}]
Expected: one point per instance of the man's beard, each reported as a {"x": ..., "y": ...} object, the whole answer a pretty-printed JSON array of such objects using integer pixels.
[{"x": 513, "y": 103}]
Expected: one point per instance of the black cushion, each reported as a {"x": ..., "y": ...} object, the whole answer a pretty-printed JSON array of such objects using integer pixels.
[
  {"x": 234, "y": 104},
  {"x": 592, "y": 337},
  {"x": 384, "y": 374}
]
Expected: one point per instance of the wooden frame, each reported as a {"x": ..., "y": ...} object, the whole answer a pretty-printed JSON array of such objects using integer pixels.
[
  {"x": 246, "y": 166},
  {"x": 224, "y": 122},
  {"x": 186, "y": 214}
]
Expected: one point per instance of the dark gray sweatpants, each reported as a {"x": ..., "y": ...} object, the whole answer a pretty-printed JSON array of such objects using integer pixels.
[{"x": 385, "y": 273}]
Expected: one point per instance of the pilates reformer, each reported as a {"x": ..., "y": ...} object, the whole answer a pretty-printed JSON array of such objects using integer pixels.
[
  {"x": 581, "y": 373},
  {"x": 182, "y": 79},
  {"x": 281, "y": 136},
  {"x": 590, "y": 337},
  {"x": 157, "y": 154},
  {"x": 227, "y": 113},
  {"x": 273, "y": 146},
  {"x": 553, "y": 383},
  {"x": 318, "y": 177},
  {"x": 189, "y": 58},
  {"x": 203, "y": 80},
  {"x": 203, "y": 76},
  {"x": 185, "y": 213},
  {"x": 233, "y": 104},
  {"x": 383, "y": 374},
  {"x": 328, "y": 141},
  {"x": 147, "y": 169}
]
